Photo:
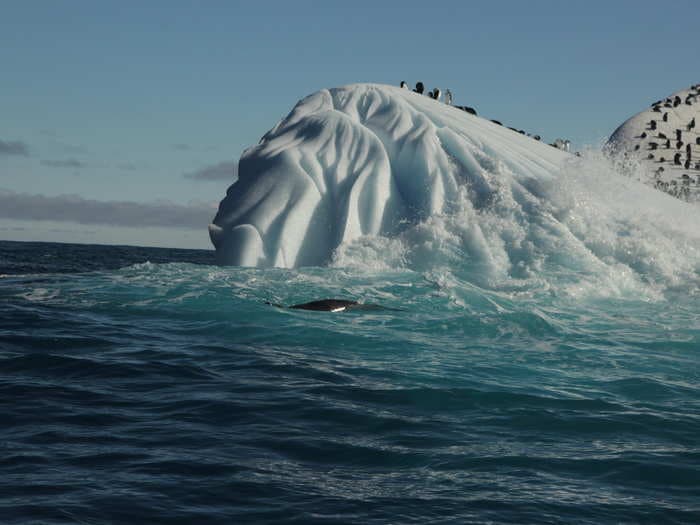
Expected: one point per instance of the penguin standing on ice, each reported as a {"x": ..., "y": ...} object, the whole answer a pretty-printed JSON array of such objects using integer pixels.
[
  {"x": 404, "y": 85},
  {"x": 691, "y": 125},
  {"x": 419, "y": 88},
  {"x": 448, "y": 97}
]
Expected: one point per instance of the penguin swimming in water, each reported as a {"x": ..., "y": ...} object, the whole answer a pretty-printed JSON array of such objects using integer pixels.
[{"x": 333, "y": 305}]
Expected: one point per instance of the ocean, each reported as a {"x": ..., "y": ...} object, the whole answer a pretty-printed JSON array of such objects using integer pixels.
[{"x": 146, "y": 385}]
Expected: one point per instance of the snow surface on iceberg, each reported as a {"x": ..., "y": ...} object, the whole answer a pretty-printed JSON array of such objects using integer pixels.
[
  {"x": 365, "y": 160},
  {"x": 662, "y": 143}
]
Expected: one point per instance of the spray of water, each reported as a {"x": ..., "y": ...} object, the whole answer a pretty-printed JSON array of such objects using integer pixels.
[{"x": 590, "y": 231}]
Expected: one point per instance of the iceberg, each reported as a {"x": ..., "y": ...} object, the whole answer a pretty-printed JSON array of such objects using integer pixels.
[
  {"x": 662, "y": 143},
  {"x": 364, "y": 160}
]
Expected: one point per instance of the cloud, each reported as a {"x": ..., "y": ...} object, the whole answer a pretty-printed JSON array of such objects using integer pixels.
[
  {"x": 73, "y": 208},
  {"x": 67, "y": 163},
  {"x": 72, "y": 148},
  {"x": 127, "y": 166},
  {"x": 227, "y": 170},
  {"x": 13, "y": 147}
]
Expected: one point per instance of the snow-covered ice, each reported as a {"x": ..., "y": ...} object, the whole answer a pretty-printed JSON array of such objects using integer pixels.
[
  {"x": 364, "y": 160},
  {"x": 662, "y": 143}
]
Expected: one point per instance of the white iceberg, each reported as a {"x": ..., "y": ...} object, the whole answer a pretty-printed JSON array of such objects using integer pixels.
[
  {"x": 661, "y": 144},
  {"x": 364, "y": 160}
]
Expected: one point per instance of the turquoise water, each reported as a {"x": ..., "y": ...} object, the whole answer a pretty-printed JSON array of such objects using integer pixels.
[{"x": 167, "y": 391}]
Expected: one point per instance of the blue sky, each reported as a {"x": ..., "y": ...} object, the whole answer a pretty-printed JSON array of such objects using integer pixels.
[{"x": 144, "y": 102}]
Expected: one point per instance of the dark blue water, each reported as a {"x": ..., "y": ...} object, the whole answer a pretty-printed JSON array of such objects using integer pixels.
[{"x": 146, "y": 385}]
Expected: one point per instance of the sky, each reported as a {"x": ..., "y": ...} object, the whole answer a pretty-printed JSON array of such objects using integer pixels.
[{"x": 122, "y": 122}]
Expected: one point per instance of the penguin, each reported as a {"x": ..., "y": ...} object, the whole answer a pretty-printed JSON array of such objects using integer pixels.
[
  {"x": 691, "y": 125},
  {"x": 697, "y": 141},
  {"x": 687, "y": 164},
  {"x": 677, "y": 159},
  {"x": 679, "y": 144},
  {"x": 662, "y": 136},
  {"x": 676, "y": 101},
  {"x": 333, "y": 305},
  {"x": 437, "y": 94},
  {"x": 419, "y": 88},
  {"x": 404, "y": 85},
  {"x": 652, "y": 125},
  {"x": 653, "y": 145},
  {"x": 448, "y": 97},
  {"x": 668, "y": 143},
  {"x": 643, "y": 135},
  {"x": 665, "y": 117},
  {"x": 678, "y": 134}
]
